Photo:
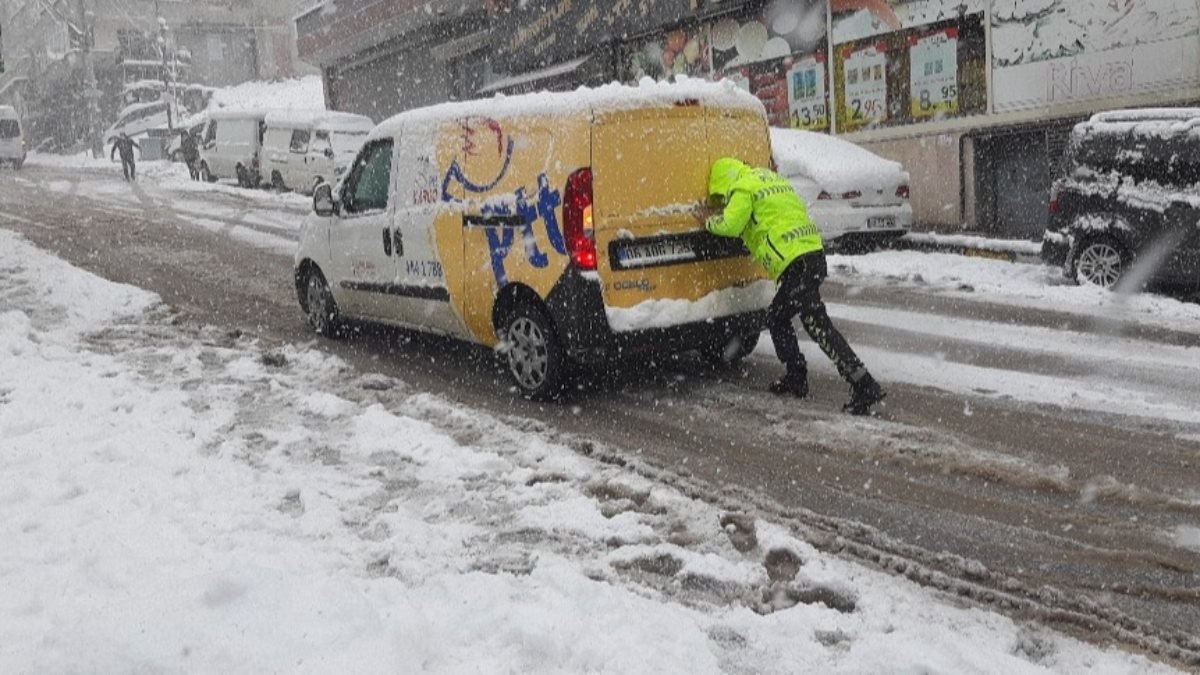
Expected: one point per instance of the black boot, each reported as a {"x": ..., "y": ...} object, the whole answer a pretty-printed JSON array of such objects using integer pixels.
[
  {"x": 794, "y": 383},
  {"x": 864, "y": 393}
]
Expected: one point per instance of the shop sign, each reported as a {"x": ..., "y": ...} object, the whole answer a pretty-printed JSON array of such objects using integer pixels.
[
  {"x": 865, "y": 73},
  {"x": 808, "y": 100},
  {"x": 934, "y": 73},
  {"x": 537, "y": 33},
  {"x": 1089, "y": 50}
]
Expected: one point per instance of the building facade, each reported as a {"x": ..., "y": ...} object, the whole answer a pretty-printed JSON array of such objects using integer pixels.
[{"x": 50, "y": 44}]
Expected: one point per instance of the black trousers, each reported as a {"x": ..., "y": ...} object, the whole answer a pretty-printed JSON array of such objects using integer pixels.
[
  {"x": 128, "y": 168},
  {"x": 799, "y": 292}
]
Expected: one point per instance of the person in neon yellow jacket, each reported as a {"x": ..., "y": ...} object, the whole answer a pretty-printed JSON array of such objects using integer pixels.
[{"x": 761, "y": 207}]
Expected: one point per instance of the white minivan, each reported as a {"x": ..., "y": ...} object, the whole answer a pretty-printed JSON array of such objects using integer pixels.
[
  {"x": 12, "y": 140},
  {"x": 302, "y": 148},
  {"x": 232, "y": 146}
]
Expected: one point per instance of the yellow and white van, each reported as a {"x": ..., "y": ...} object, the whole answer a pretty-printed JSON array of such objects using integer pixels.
[{"x": 558, "y": 228}]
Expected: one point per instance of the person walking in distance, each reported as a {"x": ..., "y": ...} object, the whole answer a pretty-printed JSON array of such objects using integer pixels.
[
  {"x": 125, "y": 145},
  {"x": 190, "y": 153},
  {"x": 761, "y": 207}
]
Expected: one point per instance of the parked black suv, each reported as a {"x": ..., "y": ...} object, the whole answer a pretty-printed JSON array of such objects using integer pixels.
[{"x": 1128, "y": 207}]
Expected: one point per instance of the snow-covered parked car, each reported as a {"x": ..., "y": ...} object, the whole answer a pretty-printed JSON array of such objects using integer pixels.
[
  {"x": 139, "y": 118},
  {"x": 1128, "y": 205},
  {"x": 857, "y": 198},
  {"x": 12, "y": 140}
]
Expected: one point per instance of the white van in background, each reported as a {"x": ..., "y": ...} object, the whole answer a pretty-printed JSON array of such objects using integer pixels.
[
  {"x": 12, "y": 138},
  {"x": 232, "y": 146},
  {"x": 302, "y": 149}
]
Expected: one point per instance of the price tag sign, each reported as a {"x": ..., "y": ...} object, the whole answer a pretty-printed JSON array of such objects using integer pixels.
[
  {"x": 808, "y": 106},
  {"x": 934, "y": 79},
  {"x": 865, "y": 74}
]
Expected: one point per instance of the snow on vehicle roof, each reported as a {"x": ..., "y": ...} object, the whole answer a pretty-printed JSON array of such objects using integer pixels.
[
  {"x": 834, "y": 164},
  {"x": 609, "y": 97},
  {"x": 323, "y": 119},
  {"x": 238, "y": 113},
  {"x": 1161, "y": 122}
]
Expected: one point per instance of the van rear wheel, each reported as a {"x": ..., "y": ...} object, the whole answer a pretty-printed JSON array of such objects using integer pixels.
[
  {"x": 277, "y": 181},
  {"x": 732, "y": 350},
  {"x": 535, "y": 357},
  {"x": 205, "y": 174}
]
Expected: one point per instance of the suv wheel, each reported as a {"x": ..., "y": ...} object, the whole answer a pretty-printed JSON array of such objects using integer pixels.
[
  {"x": 535, "y": 357},
  {"x": 1100, "y": 261}
]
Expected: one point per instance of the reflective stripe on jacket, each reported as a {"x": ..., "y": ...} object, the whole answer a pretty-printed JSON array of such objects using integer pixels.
[{"x": 762, "y": 208}]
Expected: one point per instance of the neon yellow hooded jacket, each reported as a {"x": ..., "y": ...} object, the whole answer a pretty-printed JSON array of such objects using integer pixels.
[{"x": 762, "y": 208}]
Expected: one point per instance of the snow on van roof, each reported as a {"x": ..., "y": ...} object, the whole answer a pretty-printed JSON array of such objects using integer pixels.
[
  {"x": 237, "y": 113},
  {"x": 614, "y": 96},
  {"x": 834, "y": 164},
  {"x": 319, "y": 118}
]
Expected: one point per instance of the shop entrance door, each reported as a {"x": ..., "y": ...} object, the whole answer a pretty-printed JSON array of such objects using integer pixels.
[{"x": 1021, "y": 186}]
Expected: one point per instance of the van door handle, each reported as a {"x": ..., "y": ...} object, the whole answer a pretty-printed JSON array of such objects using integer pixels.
[
  {"x": 398, "y": 244},
  {"x": 387, "y": 242}
]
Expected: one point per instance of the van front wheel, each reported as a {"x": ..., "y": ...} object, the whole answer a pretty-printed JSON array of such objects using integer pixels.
[
  {"x": 319, "y": 306},
  {"x": 534, "y": 354}
]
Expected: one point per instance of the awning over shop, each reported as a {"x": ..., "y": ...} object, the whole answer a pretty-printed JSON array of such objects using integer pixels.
[{"x": 534, "y": 76}]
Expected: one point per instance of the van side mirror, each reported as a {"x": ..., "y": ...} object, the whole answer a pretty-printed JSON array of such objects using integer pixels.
[{"x": 323, "y": 204}]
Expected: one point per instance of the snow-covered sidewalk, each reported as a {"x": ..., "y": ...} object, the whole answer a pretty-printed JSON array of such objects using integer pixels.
[{"x": 180, "y": 500}]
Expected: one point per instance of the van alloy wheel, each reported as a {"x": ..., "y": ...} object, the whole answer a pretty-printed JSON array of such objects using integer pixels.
[
  {"x": 1099, "y": 262},
  {"x": 535, "y": 358}
]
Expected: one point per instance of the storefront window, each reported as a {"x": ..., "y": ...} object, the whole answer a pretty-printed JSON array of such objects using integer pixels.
[
  {"x": 899, "y": 63},
  {"x": 777, "y": 52}
]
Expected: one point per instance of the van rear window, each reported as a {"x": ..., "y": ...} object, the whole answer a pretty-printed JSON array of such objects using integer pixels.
[{"x": 9, "y": 129}]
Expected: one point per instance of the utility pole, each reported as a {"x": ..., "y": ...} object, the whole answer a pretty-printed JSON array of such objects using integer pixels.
[
  {"x": 168, "y": 93},
  {"x": 87, "y": 20}
]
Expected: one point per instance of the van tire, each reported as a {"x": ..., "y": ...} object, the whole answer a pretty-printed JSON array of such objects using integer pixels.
[
  {"x": 533, "y": 353},
  {"x": 243, "y": 180},
  {"x": 725, "y": 354},
  {"x": 319, "y": 307},
  {"x": 1099, "y": 260},
  {"x": 205, "y": 174},
  {"x": 277, "y": 181}
]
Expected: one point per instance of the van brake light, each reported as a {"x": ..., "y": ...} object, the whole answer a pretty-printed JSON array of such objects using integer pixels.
[
  {"x": 902, "y": 191},
  {"x": 577, "y": 219},
  {"x": 1054, "y": 190}
]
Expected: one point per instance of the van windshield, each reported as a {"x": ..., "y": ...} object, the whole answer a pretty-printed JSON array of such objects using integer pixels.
[{"x": 9, "y": 129}]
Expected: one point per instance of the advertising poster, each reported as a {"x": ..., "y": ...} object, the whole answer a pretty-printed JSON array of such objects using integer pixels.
[
  {"x": 683, "y": 51},
  {"x": 1085, "y": 50},
  {"x": 933, "y": 74},
  {"x": 865, "y": 76},
  {"x": 933, "y": 54},
  {"x": 808, "y": 101}
]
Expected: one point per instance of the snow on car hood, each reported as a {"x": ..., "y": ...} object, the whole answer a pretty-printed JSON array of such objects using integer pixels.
[{"x": 836, "y": 165}]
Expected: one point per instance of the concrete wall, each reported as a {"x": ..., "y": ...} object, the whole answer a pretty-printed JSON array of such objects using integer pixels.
[{"x": 936, "y": 179}]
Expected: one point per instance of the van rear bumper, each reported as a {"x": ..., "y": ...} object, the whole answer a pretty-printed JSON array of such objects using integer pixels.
[{"x": 577, "y": 307}]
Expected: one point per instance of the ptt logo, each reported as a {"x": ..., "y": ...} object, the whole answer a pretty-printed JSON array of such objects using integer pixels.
[{"x": 476, "y": 136}]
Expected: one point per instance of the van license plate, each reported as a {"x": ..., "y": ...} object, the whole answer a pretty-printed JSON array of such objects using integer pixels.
[
  {"x": 655, "y": 253},
  {"x": 881, "y": 222}
]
